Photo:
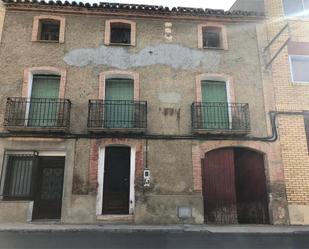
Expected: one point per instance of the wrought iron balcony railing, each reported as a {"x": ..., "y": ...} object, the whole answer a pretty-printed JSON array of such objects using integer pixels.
[
  {"x": 220, "y": 117},
  {"x": 117, "y": 115},
  {"x": 37, "y": 113}
]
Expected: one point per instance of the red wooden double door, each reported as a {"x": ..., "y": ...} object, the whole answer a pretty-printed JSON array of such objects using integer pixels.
[{"x": 234, "y": 187}]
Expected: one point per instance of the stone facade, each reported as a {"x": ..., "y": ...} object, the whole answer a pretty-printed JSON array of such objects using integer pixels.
[{"x": 167, "y": 73}]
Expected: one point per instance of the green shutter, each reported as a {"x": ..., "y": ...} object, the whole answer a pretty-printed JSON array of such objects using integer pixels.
[
  {"x": 215, "y": 112},
  {"x": 43, "y": 103},
  {"x": 119, "y": 105}
]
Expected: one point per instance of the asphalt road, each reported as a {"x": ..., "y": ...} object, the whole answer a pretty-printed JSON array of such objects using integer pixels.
[{"x": 150, "y": 240}]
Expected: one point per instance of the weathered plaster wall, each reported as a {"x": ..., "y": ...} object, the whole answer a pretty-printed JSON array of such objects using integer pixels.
[
  {"x": 166, "y": 69},
  {"x": 40, "y": 145},
  {"x": 167, "y": 73},
  {"x": 2, "y": 15}
]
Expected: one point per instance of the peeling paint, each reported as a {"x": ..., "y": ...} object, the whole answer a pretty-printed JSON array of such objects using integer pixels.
[
  {"x": 173, "y": 55},
  {"x": 170, "y": 97}
]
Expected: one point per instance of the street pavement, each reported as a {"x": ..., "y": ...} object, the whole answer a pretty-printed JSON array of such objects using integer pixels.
[{"x": 151, "y": 240}]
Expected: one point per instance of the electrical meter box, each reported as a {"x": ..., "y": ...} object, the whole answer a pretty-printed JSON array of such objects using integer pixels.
[{"x": 146, "y": 178}]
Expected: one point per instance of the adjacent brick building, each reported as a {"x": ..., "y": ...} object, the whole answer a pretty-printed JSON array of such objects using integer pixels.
[
  {"x": 133, "y": 113},
  {"x": 286, "y": 65}
]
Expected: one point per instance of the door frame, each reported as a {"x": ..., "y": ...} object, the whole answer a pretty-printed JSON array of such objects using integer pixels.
[
  {"x": 229, "y": 83},
  {"x": 101, "y": 168},
  {"x": 28, "y": 80},
  {"x": 51, "y": 153}
]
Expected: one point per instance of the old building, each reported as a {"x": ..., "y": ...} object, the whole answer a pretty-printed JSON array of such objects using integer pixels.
[{"x": 133, "y": 113}]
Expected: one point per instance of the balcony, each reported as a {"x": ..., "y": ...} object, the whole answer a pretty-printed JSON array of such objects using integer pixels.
[
  {"x": 220, "y": 118},
  {"x": 37, "y": 114},
  {"x": 117, "y": 116}
]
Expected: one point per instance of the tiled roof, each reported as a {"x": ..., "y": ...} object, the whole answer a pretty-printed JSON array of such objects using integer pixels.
[{"x": 136, "y": 8}]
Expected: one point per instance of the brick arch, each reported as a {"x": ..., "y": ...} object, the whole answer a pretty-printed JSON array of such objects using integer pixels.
[
  {"x": 199, "y": 151},
  {"x": 36, "y": 22},
  {"x": 94, "y": 157},
  {"x": 28, "y": 75},
  {"x": 122, "y": 74}
]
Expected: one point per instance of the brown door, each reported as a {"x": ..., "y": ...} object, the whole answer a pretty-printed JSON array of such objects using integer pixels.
[
  {"x": 116, "y": 190},
  {"x": 219, "y": 187},
  {"x": 48, "y": 197},
  {"x": 252, "y": 201}
]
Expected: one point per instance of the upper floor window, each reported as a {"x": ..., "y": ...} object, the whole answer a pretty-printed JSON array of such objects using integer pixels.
[
  {"x": 120, "y": 32},
  {"x": 48, "y": 29},
  {"x": 296, "y": 8},
  {"x": 212, "y": 35},
  {"x": 299, "y": 68}
]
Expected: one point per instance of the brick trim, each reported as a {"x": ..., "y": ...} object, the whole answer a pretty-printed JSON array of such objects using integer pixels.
[
  {"x": 108, "y": 30},
  {"x": 117, "y": 73},
  {"x": 215, "y": 76},
  {"x": 94, "y": 158},
  {"x": 29, "y": 72},
  {"x": 224, "y": 42},
  {"x": 271, "y": 161},
  {"x": 36, "y": 22}
]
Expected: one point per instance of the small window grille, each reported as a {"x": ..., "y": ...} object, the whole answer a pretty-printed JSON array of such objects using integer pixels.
[
  {"x": 212, "y": 37},
  {"x": 18, "y": 175},
  {"x": 49, "y": 30},
  {"x": 120, "y": 33}
]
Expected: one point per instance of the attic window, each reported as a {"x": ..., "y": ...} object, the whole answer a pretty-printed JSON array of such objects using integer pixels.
[
  {"x": 49, "y": 30},
  {"x": 212, "y": 37},
  {"x": 120, "y": 32}
]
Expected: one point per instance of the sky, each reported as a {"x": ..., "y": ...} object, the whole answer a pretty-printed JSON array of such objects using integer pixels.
[{"x": 211, "y": 4}]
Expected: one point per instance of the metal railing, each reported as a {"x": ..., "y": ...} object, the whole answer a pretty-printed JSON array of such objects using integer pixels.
[
  {"x": 37, "y": 112},
  {"x": 117, "y": 114},
  {"x": 218, "y": 116}
]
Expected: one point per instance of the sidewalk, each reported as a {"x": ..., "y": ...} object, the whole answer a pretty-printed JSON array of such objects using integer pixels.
[{"x": 53, "y": 227}]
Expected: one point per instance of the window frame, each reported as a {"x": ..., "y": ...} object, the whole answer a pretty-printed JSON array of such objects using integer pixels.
[
  {"x": 291, "y": 69},
  {"x": 107, "y": 38},
  {"x": 4, "y": 181},
  {"x": 36, "y": 32},
  {"x": 298, "y": 17},
  {"x": 223, "y": 35}
]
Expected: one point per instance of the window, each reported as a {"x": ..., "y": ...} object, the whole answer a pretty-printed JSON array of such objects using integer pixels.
[
  {"x": 296, "y": 7},
  {"x": 18, "y": 176},
  {"x": 212, "y": 35},
  {"x": 48, "y": 29},
  {"x": 120, "y": 32},
  {"x": 299, "y": 68}
]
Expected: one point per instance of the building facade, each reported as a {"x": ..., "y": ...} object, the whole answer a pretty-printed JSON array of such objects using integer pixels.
[{"x": 139, "y": 114}]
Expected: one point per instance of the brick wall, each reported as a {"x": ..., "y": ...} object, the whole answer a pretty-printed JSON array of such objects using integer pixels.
[{"x": 290, "y": 97}]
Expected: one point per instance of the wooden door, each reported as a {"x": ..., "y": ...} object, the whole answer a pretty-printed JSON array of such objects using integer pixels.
[
  {"x": 48, "y": 197},
  {"x": 116, "y": 189},
  {"x": 215, "y": 111},
  {"x": 251, "y": 190},
  {"x": 219, "y": 187},
  {"x": 119, "y": 106},
  {"x": 43, "y": 103}
]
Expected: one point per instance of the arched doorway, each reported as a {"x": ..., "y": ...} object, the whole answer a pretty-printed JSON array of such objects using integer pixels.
[{"x": 234, "y": 187}]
